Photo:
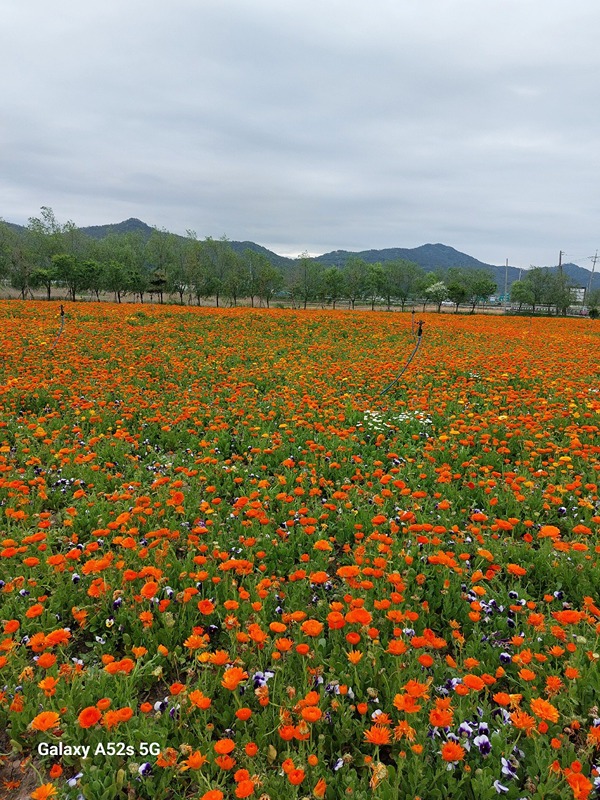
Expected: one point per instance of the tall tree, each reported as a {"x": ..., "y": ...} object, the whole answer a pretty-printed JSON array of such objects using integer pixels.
[
  {"x": 333, "y": 285},
  {"x": 216, "y": 256},
  {"x": 376, "y": 283},
  {"x": 402, "y": 278},
  {"x": 355, "y": 279},
  {"x": 306, "y": 281},
  {"x": 437, "y": 292}
]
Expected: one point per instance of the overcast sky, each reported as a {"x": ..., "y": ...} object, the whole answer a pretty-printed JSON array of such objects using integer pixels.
[{"x": 310, "y": 125}]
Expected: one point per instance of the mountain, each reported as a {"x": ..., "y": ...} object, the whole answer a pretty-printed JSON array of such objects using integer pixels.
[
  {"x": 131, "y": 225},
  {"x": 428, "y": 256}
]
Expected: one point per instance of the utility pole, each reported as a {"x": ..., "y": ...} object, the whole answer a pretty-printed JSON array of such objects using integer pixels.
[
  {"x": 589, "y": 286},
  {"x": 560, "y": 255},
  {"x": 506, "y": 286}
]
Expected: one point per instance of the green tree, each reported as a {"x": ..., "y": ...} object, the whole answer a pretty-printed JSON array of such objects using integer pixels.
[
  {"x": 458, "y": 286},
  {"x": 355, "y": 279},
  {"x": 376, "y": 283},
  {"x": 481, "y": 286},
  {"x": 306, "y": 281},
  {"x": 269, "y": 280},
  {"x": 423, "y": 283},
  {"x": 216, "y": 259},
  {"x": 235, "y": 284},
  {"x": 437, "y": 292},
  {"x": 538, "y": 283},
  {"x": 559, "y": 292},
  {"x": 46, "y": 239},
  {"x": 72, "y": 273},
  {"x": 402, "y": 279},
  {"x": 114, "y": 278},
  {"x": 521, "y": 293},
  {"x": 333, "y": 285},
  {"x": 593, "y": 303}
]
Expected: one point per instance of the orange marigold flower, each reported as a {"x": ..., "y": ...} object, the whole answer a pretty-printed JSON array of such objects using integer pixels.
[
  {"x": 523, "y": 721},
  {"x": 199, "y": 700},
  {"x": 245, "y": 788},
  {"x": 527, "y": 674},
  {"x": 48, "y": 686},
  {"x": 44, "y": 792},
  {"x": 296, "y": 776},
  {"x": 224, "y": 746},
  {"x": 194, "y": 761},
  {"x": 441, "y": 718},
  {"x": 406, "y": 703},
  {"x": 378, "y": 735},
  {"x": 417, "y": 689},
  {"x": 46, "y": 660},
  {"x": 34, "y": 611},
  {"x": 206, "y": 607},
  {"x": 580, "y": 785},
  {"x": 213, "y": 794},
  {"x": 452, "y": 752},
  {"x": 89, "y": 717},
  {"x": 544, "y": 710},
  {"x": 232, "y": 677},
  {"x": 311, "y": 714},
  {"x": 473, "y": 682},
  {"x": 335, "y": 620},
  {"x": 45, "y": 721},
  {"x": 311, "y": 627}
]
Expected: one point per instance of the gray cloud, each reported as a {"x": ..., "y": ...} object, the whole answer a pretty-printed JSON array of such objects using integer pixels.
[{"x": 310, "y": 124}]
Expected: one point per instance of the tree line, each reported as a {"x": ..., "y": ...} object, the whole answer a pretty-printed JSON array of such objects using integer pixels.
[{"x": 52, "y": 257}]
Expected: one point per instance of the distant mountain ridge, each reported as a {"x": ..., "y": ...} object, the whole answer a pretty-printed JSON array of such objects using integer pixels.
[{"x": 428, "y": 256}]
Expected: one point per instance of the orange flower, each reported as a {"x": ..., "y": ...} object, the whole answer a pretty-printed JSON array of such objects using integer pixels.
[
  {"x": 194, "y": 761},
  {"x": 296, "y": 776},
  {"x": 224, "y": 746},
  {"x": 206, "y": 607},
  {"x": 89, "y": 717},
  {"x": 544, "y": 710},
  {"x": 417, "y": 689},
  {"x": 580, "y": 785},
  {"x": 45, "y": 721},
  {"x": 335, "y": 620},
  {"x": 452, "y": 752},
  {"x": 167, "y": 757},
  {"x": 48, "y": 686},
  {"x": 527, "y": 674},
  {"x": 198, "y": 699},
  {"x": 232, "y": 677},
  {"x": 473, "y": 682},
  {"x": 44, "y": 792},
  {"x": 311, "y": 627},
  {"x": 440, "y": 718},
  {"x": 311, "y": 714},
  {"x": 523, "y": 721},
  {"x": 46, "y": 660},
  {"x": 245, "y": 788},
  {"x": 378, "y": 735},
  {"x": 213, "y": 794},
  {"x": 406, "y": 703}
]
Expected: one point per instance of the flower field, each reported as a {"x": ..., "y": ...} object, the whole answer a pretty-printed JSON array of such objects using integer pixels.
[{"x": 232, "y": 568}]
